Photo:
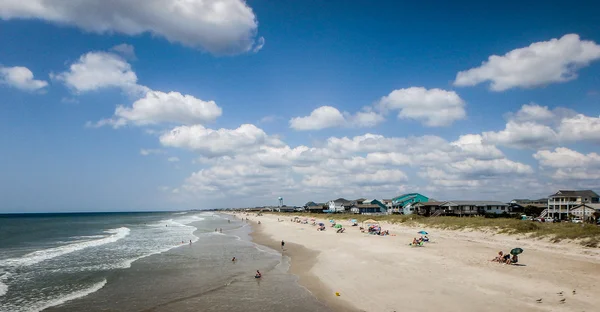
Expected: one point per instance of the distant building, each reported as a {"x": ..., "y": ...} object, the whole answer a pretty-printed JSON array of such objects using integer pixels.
[
  {"x": 314, "y": 207},
  {"x": 339, "y": 205},
  {"x": 430, "y": 208},
  {"x": 400, "y": 202},
  {"x": 561, "y": 202},
  {"x": 363, "y": 206},
  {"x": 474, "y": 207},
  {"x": 585, "y": 211}
]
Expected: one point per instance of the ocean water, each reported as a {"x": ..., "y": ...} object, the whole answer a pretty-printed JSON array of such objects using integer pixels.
[{"x": 141, "y": 262}]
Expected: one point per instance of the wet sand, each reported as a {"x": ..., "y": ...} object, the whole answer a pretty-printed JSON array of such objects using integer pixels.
[{"x": 302, "y": 261}]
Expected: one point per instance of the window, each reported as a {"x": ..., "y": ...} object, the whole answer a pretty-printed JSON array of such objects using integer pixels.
[
  {"x": 502, "y": 208},
  {"x": 489, "y": 208}
]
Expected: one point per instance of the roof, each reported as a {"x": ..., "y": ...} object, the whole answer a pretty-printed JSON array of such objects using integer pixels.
[
  {"x": 430, "y": 203},
  {"x": 593, "y": 206},
  {"x": 342, "y": 200},
  {"x": 473, "y": 203},
  {"x": 582, "y": 193},
  {"x": 360, "y": 200}
]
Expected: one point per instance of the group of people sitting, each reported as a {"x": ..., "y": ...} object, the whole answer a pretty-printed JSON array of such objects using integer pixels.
[
  {"x": 419, "y": 241},
  {"x": 506, "y": 258},
  {"x": 375, "y": 230}
]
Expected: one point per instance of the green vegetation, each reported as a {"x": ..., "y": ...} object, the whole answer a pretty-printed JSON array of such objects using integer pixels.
[{"x": 588, "y": 235}]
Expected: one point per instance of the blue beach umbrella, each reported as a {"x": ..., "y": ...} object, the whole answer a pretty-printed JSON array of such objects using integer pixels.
[
  {"x": 353, "y": 220},
  {"x": 423, "y": 233}
]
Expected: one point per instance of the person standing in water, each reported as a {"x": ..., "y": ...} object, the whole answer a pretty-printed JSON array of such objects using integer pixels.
[{"x": 282, "y": 244}]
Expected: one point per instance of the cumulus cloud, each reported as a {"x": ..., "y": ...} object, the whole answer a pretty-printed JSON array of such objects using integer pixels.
[
  {"x": 247, "y": 161},
  {"x": 541, "y": 63},
  {"x": 212, "y": 143},
  {"x": 216, "y": 26},
  {"x": 535, "y": 126},
  {"x": 160, "y": 107},
  {"x": 579, "y": 128},
  {"x": 523, "y": 135},
  {"x": 564, "y": 164},
  {"x": 330, "y": 117},
  {"x": 98, "y": 70},
  {"x": 21, "y": 78},
  {"x": 320, "y": 118},
  {"x": 432, "y": 107}
]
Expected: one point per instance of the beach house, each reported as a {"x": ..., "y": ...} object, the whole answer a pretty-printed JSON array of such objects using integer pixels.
[
  {"x": 474, "y": 207},
  {"x": 400, "y": 202},
  {"x": 339, "y": 205},
  {"x": 429, "y": 208},
  {"x": 585, "y": 212},
  {"x": 366, "y": 206},
  {"x": 561, "y": 202}
]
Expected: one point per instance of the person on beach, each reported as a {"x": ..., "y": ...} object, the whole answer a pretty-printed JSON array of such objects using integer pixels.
[
  {"x": 499, "y": 257},
  {"x": 514, "y": 260},
  {"x": 506, "y": 259},
  {"x": 190, "y": 241},
  {"x": 282, "y": 244},
  {"x": 220, "y": 230},
  {"x": 233, "y": 260},
  {"x": 258, "y": 275}
]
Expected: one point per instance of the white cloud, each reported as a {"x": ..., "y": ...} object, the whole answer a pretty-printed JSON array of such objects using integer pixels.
[
  {"x": 432, "y": 107},
  {"x": 160, "y": 107},
  {"x": 173, "y": 159},
  {"x": 535, "y": 126},
  {"x": 330, "y": 117},
  {"x": 474, "y": 145},
  {"x": 98, "y": 70},
  {"x": 217, "y": 26},
  {"x": 563, "y": 157},
  {"x": 579, "y": 128},
  {"x": 564, "y": 164},
  {"x": 320, "y": 118},
  {"x": 127, "y": 50},
  {"x": 21, "y": 78},
  {"x": 523, "y": 135},
  {"x": 212, "y": 143},
  {"x": 540, "y": 63}
]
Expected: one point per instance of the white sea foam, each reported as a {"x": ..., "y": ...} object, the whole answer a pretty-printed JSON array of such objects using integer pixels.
[
  {"x": 45, "y": 254},
  {"x": 74, "y": 295},
  {"x": 3, "y": 289}
]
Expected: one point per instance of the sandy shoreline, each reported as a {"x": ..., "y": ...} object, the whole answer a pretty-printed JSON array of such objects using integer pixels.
[
  {"x": 452, "y": 273},
  {"x": 302, "y": 261}
]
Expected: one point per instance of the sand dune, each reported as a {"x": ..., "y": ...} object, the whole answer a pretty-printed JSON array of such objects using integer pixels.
[{"x": 451, "y": 273}]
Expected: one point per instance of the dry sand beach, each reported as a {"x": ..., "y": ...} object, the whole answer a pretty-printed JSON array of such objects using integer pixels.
[{"x": 451, "y": 273}]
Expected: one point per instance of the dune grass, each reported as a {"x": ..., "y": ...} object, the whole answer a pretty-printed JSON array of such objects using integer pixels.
[{"x": 587, "y": 235}]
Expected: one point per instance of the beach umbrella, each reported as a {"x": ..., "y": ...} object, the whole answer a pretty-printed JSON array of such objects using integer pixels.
[
  {"x": 321, "y": 224},
  {"x": 353, "y": 220},
  {"x": 337, "y": 226},
  {"x": 516, "y": 251},
  {"x": 331, "y": 221},
  {"x": 371, "y": 221},
  {"x": 312, "y": 219},
  {"x": 422, "y": 232}
]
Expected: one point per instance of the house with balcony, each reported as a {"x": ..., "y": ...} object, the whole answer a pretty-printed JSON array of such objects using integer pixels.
[
  {"x": 474, "y": 207},
  {"x": 400, "y": 202},
  {"x": 561, "y": 202},
  {"x": 429, "y": 208},
  {"x": 339, "y": 205},
  {"x": 365, "y": 206}
]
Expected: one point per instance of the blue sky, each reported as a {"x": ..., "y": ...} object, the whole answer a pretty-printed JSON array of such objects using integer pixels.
[{"x": 233, "y": 103}]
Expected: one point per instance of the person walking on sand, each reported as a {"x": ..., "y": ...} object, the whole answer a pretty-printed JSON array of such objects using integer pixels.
[{"x": 282, "y": 244}]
